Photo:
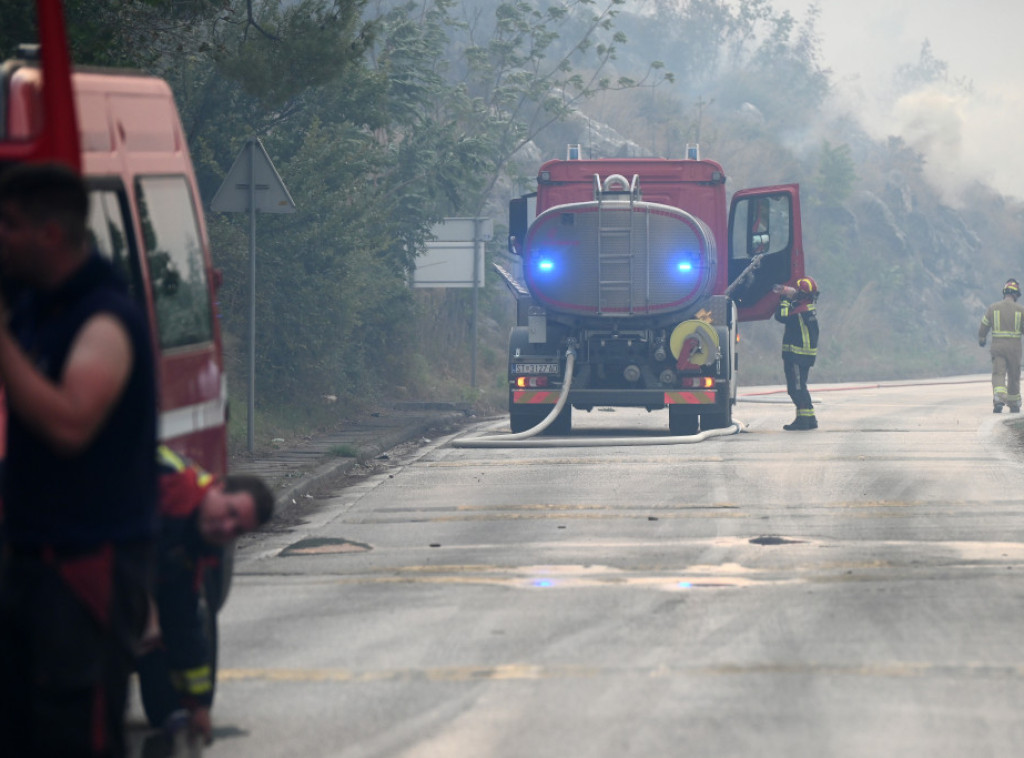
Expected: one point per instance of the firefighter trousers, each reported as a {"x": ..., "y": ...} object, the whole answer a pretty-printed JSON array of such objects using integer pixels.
[
  {"x": 796, "y": 385},
  {"x": 1006, "y": 357}
]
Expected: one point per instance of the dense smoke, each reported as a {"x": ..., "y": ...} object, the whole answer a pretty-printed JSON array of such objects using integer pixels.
[{"x": 967, "y": 121}]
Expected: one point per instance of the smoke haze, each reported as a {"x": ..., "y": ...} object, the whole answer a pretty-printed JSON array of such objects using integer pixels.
[{"x": 970, "y": 127}]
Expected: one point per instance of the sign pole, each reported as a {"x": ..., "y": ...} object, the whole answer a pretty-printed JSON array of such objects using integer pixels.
[
  {"x": 251, "y": 438},
  {"x": 476, "y": 298},
  {"x": 252, "y": 184}
]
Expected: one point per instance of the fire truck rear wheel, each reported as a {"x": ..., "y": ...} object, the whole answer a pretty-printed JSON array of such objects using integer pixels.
[
  {"x": 521, "y": 421},
  {"x": 681, "y": 422},
  {"x": 562, "y": 424},
  {"x": 716, "y": 420}
]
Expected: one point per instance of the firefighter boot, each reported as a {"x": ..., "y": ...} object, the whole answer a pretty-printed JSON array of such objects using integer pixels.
[
  {"x": 801, "y": 424},
  {"x": 1014, "y": 409},
  {"x": 997, "y": 407}
]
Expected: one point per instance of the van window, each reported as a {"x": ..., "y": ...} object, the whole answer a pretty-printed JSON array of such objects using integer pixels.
[
  {"x": 108, "y": 230},
  {"x": 174, "y": 252}
]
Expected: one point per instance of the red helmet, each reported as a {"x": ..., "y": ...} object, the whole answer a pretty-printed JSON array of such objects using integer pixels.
[{"x": 806, "y": 286}]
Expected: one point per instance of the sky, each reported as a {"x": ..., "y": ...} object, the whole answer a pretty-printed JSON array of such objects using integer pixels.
[{"x": 964, "y": 136}]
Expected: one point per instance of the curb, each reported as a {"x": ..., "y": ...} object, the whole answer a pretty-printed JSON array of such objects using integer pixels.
[{"x": 334, "y": 470}]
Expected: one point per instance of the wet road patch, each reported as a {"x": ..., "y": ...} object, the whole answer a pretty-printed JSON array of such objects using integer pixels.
[
  {"x": 324, "y": 546},
  {"x": 774, "y": 540}
]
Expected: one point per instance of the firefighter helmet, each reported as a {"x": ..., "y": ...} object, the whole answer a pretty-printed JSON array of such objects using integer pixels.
[
  {"x": 1011, "y": 288},
  {"x": 807, "y": 287}
]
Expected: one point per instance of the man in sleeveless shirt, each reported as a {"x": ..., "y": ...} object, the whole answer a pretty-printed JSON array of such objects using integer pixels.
[{"x": 79, "y": 488}]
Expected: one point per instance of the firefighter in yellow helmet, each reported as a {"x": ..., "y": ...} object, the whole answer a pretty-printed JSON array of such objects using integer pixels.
[
  {"x": 798, "y": 312},
  {"x": 1004, "y": 319}
]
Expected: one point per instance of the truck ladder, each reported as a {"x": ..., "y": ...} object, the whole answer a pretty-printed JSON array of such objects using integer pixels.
[{"x": 615, "y": 254}]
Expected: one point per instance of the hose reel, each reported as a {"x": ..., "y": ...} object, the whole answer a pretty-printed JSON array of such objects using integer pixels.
[{"x": 694, "y": 344}]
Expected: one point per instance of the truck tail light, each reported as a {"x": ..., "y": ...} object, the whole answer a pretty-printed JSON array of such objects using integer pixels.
[
  {"x": 531, "y": 382},
  {"x": 697, "y": 382}
]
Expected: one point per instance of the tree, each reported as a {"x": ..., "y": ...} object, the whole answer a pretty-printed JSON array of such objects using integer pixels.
[
  {"x": 836, "y": 175},
  {"x": 535, "y": 67},
  {"x": 114, "y": 32}
]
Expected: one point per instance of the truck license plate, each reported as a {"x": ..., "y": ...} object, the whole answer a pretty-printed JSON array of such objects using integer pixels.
[{"x": 536, "y": 368}]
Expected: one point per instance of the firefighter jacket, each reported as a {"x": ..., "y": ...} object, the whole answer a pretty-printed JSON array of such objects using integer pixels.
[
  {"x": 182, "y": 558},
  {"x": 800, "y": 337},
  {"x": 1004, "y": 319}
]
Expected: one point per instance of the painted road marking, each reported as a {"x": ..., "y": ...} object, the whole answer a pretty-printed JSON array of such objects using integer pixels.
[{"x": 531, "y": 672}]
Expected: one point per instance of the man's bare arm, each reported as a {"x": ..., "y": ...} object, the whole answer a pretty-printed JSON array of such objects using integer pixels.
[{"x": 70, "y": 413}]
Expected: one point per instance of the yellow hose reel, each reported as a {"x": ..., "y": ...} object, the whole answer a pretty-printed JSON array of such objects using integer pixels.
[{"x": 706, "y": 338}]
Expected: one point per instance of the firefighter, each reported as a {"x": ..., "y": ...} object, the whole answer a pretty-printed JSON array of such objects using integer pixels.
[
  {"x": 797, "y": 311},
  {"x": 200, "y": 515},
  {"x": 1004, "y": 320}
]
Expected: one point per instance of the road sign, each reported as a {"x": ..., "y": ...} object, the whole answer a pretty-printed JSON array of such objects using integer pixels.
[
  {"x": 463, "y": 229},
  {"x": 269, "y": 194},
  {"x": 449, "y": 260}
]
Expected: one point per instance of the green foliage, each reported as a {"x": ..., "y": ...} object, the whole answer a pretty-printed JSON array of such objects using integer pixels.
[
  {"x": 745, "y": 73},
  {"x": 19, "y": 25},
  {"x": 836, "y": 175},
  {"x": 537, "y": 67},
  {"x": 293, "y": 47}
]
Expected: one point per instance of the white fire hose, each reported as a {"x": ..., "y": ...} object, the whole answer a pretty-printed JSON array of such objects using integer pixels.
[{"x": 527, "y": 438}]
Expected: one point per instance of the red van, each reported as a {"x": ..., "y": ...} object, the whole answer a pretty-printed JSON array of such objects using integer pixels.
[{"x": 122, "y": 131}]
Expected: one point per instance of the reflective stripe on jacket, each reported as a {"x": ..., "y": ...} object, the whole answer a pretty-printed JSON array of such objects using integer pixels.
[
  {"x": 1004, "y": 319},
  {"x": 800, "y": 338}
]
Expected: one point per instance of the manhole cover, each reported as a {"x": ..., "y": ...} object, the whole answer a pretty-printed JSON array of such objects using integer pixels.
[
  {"x": 324, "y": 546},
  {"x": 770, "y": 540}
]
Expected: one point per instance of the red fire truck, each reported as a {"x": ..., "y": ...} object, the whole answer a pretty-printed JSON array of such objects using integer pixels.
[
  {"x": 121, "y": 130},
  {"x": 636, "y": 274}
]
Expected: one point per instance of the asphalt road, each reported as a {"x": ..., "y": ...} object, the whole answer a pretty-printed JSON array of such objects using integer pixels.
[{"x": 852, "y": 591}]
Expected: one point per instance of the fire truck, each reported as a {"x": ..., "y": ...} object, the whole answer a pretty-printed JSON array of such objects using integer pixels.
[
  {"x": 121, "y": 130},
  {"x": 635, "y": 276}
]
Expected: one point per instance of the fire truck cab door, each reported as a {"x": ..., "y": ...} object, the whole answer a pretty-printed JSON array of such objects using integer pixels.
[{"x": 764, "y": 230}]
